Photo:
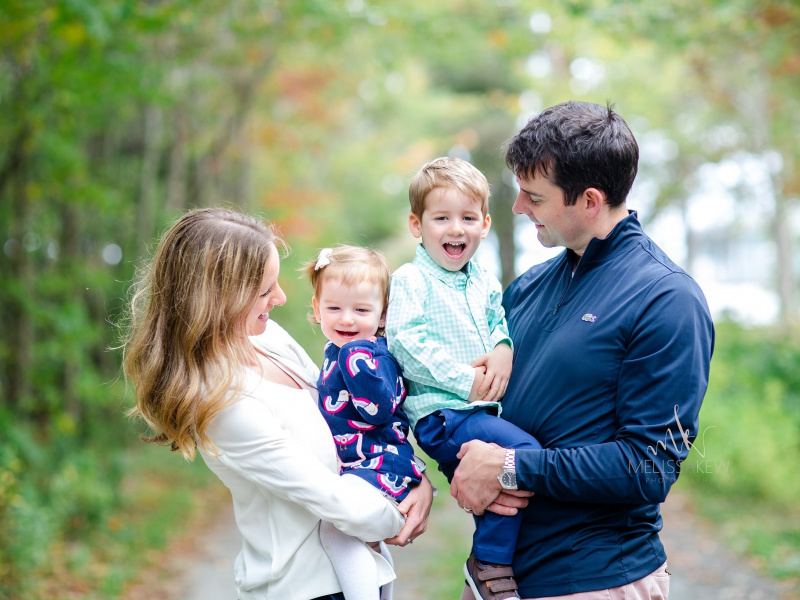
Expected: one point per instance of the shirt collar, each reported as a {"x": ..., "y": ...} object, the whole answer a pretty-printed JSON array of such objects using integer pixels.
[{"x": 425, "y": 262}]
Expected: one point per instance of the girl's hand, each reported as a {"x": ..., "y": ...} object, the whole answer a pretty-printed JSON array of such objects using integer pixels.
[{"x": 415, "y": 507}]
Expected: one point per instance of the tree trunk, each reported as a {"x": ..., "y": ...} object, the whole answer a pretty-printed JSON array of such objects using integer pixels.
[
  {"x": 785, "y": 275},
  {"x": 690, "y": 238},
  {"x": 503, "y": 225},
  {"x": 754, "y": 103},
  {"x": 69, "y": 257},
  {"x": 177, "y": 176},
  {"x": 241, "y": 184},
  {"x": 148, "y": 182},
  {"x": 19, "y": 324}
]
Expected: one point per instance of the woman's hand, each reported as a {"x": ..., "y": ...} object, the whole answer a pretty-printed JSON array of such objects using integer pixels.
[{"x": 415, "y": 507}]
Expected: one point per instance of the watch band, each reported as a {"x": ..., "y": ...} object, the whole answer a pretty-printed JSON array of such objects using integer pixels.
[
  {"x": 508, "y": 476},
  {"x": 510, "y": 463}
]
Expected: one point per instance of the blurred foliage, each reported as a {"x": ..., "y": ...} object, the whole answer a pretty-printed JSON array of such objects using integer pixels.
[
  {"x": 750, "y": 421},
  {"x": 115, "y": 116},
  {"x": 742, "y": 469}
]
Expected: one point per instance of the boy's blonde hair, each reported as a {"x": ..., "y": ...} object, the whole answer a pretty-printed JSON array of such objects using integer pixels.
[
  {"x": 350, "y": 265},
  {"x": 448, "y": 172},
  {"x": 187, "y": 322}
]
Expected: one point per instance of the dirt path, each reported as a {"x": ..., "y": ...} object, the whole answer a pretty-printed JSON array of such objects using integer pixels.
[{"x": 702, "y": 567}]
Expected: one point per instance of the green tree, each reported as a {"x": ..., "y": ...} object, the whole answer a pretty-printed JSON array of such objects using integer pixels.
[{"x": 739, "y": 75}]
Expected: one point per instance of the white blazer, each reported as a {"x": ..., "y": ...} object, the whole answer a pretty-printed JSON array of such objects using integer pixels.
[{"x": 277, "y": 457}]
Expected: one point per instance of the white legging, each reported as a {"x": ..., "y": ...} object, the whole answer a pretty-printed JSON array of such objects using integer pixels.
[{"x": 354, "y": 565}]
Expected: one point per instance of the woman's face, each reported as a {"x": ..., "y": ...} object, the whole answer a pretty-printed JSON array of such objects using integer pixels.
[{"x": 270, "y": 294}]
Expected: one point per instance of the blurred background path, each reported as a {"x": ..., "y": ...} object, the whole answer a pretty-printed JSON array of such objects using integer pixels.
[{"x": 702, "y": 567}]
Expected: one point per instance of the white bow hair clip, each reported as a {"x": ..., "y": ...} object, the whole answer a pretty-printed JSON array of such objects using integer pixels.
[{"x": 323, "y": 259}]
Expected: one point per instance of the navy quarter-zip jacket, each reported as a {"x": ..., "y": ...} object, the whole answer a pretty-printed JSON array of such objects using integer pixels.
[{"x": 610, "y": 368}]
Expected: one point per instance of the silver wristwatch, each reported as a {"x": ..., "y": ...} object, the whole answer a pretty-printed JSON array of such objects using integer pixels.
[{"x": 508, "y": 478}]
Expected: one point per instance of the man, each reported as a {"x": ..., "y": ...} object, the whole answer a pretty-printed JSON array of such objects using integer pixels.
[{"x": 612, "y": 345}]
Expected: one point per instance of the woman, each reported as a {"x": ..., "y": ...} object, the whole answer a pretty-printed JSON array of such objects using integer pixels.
[{"x": 212, "y": 372}]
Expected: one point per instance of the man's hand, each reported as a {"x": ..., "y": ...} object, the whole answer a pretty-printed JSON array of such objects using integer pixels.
[
  {"x": 475, "y": 485},
  {"x": 415, "y": 507},
  {"x": 498, "y": 370},
  {"x": 480, "y": 374}
]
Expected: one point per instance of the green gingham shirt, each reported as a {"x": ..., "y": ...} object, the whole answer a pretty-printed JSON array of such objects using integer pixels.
[{"x": 437, "y": 323}]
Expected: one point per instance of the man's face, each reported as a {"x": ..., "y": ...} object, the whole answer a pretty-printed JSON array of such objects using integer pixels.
[{"x": 543, "y": 202}]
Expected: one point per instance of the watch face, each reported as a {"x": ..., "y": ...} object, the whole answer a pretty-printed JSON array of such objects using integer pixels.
[{"x": 509, "y": 480}]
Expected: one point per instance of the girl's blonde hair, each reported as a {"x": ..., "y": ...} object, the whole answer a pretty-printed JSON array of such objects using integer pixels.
[
  {"x": 184, "y": 343},
  {"x": 351, "y": 265}
]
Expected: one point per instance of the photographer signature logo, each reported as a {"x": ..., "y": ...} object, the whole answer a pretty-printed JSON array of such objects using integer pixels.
[
  {"x": 685, "y": 437},
  {"x": 685, "y": 443}
]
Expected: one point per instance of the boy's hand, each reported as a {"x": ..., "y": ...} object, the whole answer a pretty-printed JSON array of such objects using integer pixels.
[
  {"x": 480, "y": 374},
  {"x": 498, "y": 370}
]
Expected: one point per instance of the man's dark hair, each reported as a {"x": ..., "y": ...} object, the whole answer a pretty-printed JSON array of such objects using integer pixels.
[{"x": 577, "y": 145}]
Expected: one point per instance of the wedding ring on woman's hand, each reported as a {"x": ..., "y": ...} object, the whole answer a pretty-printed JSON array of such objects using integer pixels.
[
  {"x": 467, "y": 510},
  {"x": 409, "y": 541}
]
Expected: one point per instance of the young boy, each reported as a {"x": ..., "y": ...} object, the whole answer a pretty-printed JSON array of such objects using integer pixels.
[{"x": 447, "y": 329}]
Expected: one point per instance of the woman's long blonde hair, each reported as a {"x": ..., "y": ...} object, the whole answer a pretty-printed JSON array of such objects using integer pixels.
[{"x": 188, "y": 313}]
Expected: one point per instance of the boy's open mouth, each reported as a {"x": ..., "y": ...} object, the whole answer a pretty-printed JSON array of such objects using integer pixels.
[{"x": 454, "y": 250}]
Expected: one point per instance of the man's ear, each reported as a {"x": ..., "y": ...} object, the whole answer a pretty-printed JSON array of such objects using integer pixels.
[
  {"x": 415, "y": 225},
  {"x": 594, "y": 200}
]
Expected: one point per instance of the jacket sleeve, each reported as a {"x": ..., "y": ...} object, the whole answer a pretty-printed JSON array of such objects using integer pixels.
[
  {"x": 423, "y": 360},
  {"x": 660, "y": 388},
  {"x": 249, "y": 440},
  {"x": 371, "y": 380}
]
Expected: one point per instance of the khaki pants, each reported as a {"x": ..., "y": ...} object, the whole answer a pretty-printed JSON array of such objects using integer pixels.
[{"x": 652, "y": 587}]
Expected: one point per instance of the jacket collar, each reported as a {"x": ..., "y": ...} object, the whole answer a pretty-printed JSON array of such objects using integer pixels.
[{"x": 625, "y": 235}]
